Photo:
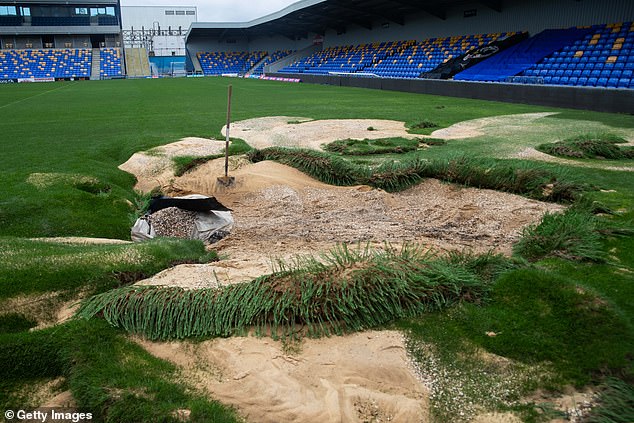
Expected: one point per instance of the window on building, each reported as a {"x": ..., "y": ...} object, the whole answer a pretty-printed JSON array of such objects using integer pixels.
[
  {"x": 180, "y": 12},
  {"x": 190, "y": 12},
  {"x": 25, "y": 11},
  {"x": 95, "y": 11},
  {"x": 8, "y": 11},
  {"x": 169, "y": 12},
  {"x": 110, "y": 11},
  {"x": 81, "y": 11}
]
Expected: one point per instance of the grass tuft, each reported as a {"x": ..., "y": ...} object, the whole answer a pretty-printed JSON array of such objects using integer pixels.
[
  {"x": 352, "y": 147},
  {"x": 341, "y": 292},
  {"x": 571, "y": 235},
  {"x": 141, "y": 204},
  {"x": 423, "y": 124},
  {"x": 325, "y": 167},
  {"x": 616, "y": 403},
  {"x": 528, "y": 179},
  {"x": 590, "y": 146},
  {"x": 183, "y": 164}
]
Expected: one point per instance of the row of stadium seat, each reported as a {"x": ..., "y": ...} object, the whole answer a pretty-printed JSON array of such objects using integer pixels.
[
  {"x": 218, "y": 63},
  {"x": 110, "y": 62},
  {"x": 398, "y": 59},
  {"x": 602, "y": 58},
  {"x": 63, "y": 63},
  {"x": 57, "y": 63}
]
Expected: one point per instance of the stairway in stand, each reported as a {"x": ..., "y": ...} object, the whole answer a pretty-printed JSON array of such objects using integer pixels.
[{"x": 95, "y": 71}]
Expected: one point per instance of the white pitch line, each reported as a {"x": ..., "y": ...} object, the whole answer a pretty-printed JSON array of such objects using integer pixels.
[{"x": 33, "y": 96}]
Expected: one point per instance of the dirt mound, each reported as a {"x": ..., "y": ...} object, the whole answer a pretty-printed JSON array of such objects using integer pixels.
[
  {"x": 476, "y": 127},
  {"x": 533, "y": 154},
  {"x": 285, "y": 131},
  {"x": 154, "y": 168},
  {"x": 355, "y": 378},
  {"x": 280, "y": 212}
]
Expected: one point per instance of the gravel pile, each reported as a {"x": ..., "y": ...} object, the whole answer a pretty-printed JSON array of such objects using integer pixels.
[{"x": 173, "y": 222}]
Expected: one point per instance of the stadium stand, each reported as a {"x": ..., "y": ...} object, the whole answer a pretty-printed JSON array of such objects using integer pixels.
[
  {"x": 110, "y": 64},
  {"x": 603, "y": 58},
  {"x": 48, "y": 63},
  {"x": 344, "y": 59},
  {"x": 521, "y": 56},
  {"x": 218, "y": 63},
  {"x": 392, "y": 59},
  {"x": 270, "y": 58}
]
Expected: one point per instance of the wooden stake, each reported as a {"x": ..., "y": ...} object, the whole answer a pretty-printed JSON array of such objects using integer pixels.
[{"x": 227, "y": 137}]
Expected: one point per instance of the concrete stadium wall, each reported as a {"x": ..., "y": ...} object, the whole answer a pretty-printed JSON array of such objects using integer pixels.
[
  {"x": 526, "y": 15},
  {"x": 588, "y": 98},
  {"x": 277, "y": 43},
  {"x": 195, "y": 45},
  {"x": 258, "y": 44}
]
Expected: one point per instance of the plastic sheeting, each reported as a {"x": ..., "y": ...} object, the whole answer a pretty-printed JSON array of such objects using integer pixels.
[{"x": 210, "y": 225}]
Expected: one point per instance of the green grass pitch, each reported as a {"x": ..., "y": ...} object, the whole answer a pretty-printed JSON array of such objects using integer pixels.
[{"x": 60, "y": 146}]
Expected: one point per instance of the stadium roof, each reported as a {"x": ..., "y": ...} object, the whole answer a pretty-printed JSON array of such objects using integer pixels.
[{"x": 316, "y": 16}]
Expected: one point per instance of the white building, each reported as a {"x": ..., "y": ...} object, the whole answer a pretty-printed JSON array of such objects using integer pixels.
[{"x": 160, "y": 29}]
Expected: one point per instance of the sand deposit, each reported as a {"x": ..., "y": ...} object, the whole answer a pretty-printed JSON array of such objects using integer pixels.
[
  {"x": 362, "y": 377},
  {"x": 285, "y": 131},
  {"x": 280, "y": 212},
  {"x": 154, "y": 168},
  {"x": 477, "y": 127}
]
